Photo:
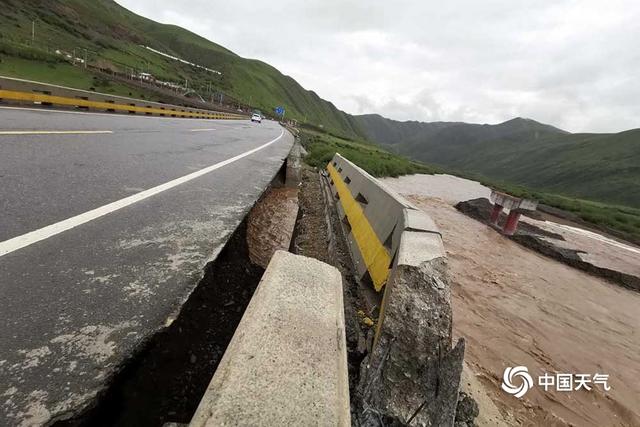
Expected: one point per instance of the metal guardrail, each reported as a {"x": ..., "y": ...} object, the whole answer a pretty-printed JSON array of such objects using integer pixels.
[{"x": 30, "y": 92}]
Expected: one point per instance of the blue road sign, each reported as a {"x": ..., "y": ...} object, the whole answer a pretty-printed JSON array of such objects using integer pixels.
[{"x": 280, "y": 111}]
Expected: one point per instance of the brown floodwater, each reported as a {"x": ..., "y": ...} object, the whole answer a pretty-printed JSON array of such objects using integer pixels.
[{"x": 516, "y": 307}]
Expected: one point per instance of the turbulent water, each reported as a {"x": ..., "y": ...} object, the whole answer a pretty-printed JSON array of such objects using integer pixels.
[{"x": 516, "y": 307}]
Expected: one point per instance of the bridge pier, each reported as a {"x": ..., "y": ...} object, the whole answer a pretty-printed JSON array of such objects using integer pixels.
[
  {"x": 495, "y": 214},
  {"x": 515, "y": 205},
  {"x": 512, "y": 223}
]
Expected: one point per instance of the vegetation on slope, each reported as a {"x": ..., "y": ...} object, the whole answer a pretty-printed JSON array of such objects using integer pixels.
[
  {"x": 114, "y": 38},
  {"x": 321, "y": 148},
  {"x": 603, "y": 168}
]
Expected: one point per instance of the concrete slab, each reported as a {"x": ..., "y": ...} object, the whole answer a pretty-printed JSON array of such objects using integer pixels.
[
  {"x": 286, "y": 363},
  {"x": 417, "y": 220},
  {"x": 418, "y": 247}
]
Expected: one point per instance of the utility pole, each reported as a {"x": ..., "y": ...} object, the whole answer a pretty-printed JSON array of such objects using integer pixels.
[
  {"x": 85, "y": 58},
  {"x": 33, "y": 32}
]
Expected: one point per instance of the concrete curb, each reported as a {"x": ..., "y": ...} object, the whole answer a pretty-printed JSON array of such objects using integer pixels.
[{"x": 286, "y": 363}]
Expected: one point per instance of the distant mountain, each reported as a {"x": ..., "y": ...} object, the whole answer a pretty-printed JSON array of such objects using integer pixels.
[{"x": 601, "y": 167}]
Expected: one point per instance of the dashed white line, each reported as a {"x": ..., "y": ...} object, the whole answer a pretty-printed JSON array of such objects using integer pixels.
[
  {"x": 202, "y": 130},
  {"x": 32, "y": 237},
  {"x": 54, "y": 132}
]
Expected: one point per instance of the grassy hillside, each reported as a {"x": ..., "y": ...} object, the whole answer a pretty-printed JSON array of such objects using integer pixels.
[
  {"x": 321, "y": 148},
  {"x": 115, "y": 38},
  {"x": 598, "y": 167}
]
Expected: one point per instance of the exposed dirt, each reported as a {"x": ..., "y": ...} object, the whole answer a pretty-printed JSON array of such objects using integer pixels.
[
  {"x": 167, "y": 379},
  {"x": 271, "y": 223},
  {"x": 533, "y": 237}
]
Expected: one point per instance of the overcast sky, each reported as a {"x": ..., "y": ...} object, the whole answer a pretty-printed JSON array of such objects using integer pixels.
[{"x": 573, "y": 64}]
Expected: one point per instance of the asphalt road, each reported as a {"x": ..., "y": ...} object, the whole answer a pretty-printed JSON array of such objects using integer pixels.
[{"x": 106, "y": 223}]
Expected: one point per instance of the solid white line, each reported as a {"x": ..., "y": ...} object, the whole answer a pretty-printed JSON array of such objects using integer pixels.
[
  {"x": 32, "y": 237},
  {"x": 53, "y": 132},
  {"x": 201, "y": 130}
]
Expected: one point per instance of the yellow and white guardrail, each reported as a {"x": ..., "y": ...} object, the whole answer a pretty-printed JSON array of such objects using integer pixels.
[
  {"x": 375, "y": 256},
  {"x": 25, "y": 91},
  {"x": 375, "y": 217}
]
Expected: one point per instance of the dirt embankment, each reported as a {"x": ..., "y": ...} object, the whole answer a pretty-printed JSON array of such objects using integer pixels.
[{"x": 317, "y": 235}]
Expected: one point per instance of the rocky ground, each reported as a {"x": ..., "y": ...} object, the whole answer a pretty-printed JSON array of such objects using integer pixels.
[{"x": 318, "y": 236}]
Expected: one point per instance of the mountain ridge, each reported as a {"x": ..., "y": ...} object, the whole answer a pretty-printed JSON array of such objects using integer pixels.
[{"x": 603, "y": 167}]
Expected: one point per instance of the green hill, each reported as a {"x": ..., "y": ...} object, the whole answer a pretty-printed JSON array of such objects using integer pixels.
[
  {"x": 600, "y": 167},
  {"x": 116, "y": 38}
]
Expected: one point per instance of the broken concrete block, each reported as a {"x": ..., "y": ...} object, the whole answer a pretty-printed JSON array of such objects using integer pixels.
[
  {"x": 294, "y": 166},
  {"x": 413, "y": 373},
  {"x": 287, "y": 361}
]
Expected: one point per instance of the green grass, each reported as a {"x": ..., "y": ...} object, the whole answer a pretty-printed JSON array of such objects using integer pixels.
[
  {"x": 321, "y": 148},
  {"x": 64, "y": 74},
  {"x": 599, "y": 167},
  {"x": 113, "y": 37}
]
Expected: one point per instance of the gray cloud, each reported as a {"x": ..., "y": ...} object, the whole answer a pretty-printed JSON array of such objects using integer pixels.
[{"x": 570, "y": 63}]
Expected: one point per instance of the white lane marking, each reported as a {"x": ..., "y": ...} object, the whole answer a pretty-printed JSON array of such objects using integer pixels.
[
  {"x": 201, "y": 130},
  {"x": 130, "y": 116},
  {"x": 32, "y": 237},
  {"x": 53, "y": 132}
]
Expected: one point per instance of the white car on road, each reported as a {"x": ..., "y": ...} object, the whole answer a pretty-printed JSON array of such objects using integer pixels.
[{"x": 256, "y": 118}]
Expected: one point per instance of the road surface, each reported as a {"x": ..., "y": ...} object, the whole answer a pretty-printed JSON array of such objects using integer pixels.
[{"x": 106, "y": 223}]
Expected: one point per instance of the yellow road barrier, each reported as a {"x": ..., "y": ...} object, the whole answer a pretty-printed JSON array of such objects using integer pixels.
[
  {"x": 170, "y": 110},
  {"x": 373, "y": 252}
]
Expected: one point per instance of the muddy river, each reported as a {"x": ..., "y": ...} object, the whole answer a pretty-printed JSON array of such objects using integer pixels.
[{"x": 517, "y": 308}]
